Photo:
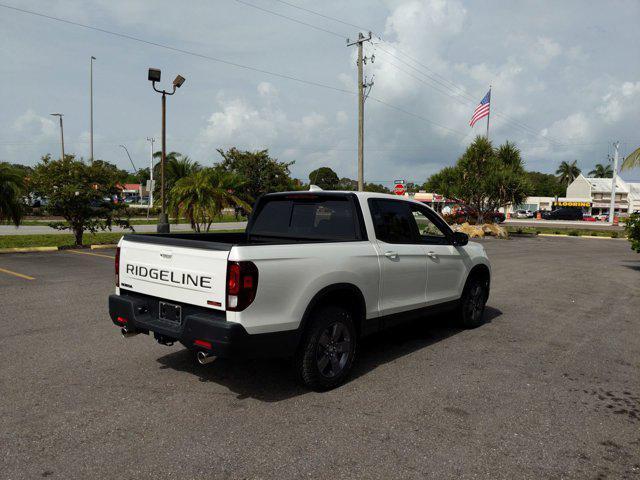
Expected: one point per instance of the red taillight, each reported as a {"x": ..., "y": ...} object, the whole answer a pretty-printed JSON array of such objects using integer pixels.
[
  {"x": 242, "y": 284},
  {"x": 203, "y": 344},
  {"x": 121, "y": 320},
  {"x": 233, "y": 278},
  {"x": 117, "y": 266}
]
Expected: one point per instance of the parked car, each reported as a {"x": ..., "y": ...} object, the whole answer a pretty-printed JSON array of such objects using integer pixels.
[
  {"x": 523, "y": 214},
  {"x": 564, "y": 213},
  {"x": 313, "y": 272},
  {"x": 468, "y": 213}
]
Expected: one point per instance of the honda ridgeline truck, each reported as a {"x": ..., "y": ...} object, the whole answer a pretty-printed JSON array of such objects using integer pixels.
[{"x": 313, "y": 273}]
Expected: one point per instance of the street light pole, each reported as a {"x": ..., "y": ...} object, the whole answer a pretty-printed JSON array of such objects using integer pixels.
[
  {"x": 59, "y": 115},
  {"x": 153, "y": 77},
  {"x": 135, "y": 170},
  {"x": 91, "y": 109},
  {"x": 165, "y": 218},
  {"x": 151, "y": 141},
  {"x": 612, "y": 203}
]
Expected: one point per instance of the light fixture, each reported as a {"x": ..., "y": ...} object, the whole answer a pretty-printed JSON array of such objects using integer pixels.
[{"x": 154, "y": 74}]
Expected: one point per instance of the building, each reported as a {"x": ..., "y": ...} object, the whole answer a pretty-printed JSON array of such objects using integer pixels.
[
  {"x": 593, "y": 195},
  {"x": 597, "y": 191}
]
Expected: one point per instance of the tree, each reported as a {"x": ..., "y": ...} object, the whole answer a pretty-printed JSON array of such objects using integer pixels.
[
  {"x": 11, "y": 193},
  {"x": 376, "y": 187},
  {"x": 601, "y": 171},
  {"x": 176, "y": 166},
  {"x": 80, "y": 193},
  {"x": 202, "y": 195},
  {"x": 347, "y": 184},
  {"x": 484, "y": 178},
  {"x": 568, "y": 172},
  {"x": 632, "y": 227},
  {"x": 325, "y": 178},
  {"x": 632, "y": 160},
  {"x": 440, "y": 181},
  {"x": 261, "y": 173},
  {"x": 544, "y": 185}
]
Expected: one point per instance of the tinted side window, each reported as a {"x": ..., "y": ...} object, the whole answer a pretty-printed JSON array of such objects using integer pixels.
[
  {"x": 430, "y": 232},
  {"x": 393, "y": 221},
  {"x": 314, "y": 219}
]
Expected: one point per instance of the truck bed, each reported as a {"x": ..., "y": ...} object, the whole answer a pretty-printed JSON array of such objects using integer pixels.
[{"x": 207, "y": 241}]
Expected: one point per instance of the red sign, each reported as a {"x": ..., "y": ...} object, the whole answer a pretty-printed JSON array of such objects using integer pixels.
[{"x": 399, "y": 189}]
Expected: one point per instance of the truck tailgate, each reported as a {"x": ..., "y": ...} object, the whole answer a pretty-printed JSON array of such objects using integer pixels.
[{"x": 188, "y": 275}]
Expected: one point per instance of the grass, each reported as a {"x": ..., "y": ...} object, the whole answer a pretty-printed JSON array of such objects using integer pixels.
[
  {"x": 136, "y": 221},
  {"x": 65, "y": 239},
  {"x": 571, "y": 232}
]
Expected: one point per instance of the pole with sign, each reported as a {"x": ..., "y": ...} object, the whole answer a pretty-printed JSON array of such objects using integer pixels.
[{"x": 399, "y": 188}]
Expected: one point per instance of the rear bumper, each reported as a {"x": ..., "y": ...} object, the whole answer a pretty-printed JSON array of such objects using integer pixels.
[{"x": 230, "y": 340}]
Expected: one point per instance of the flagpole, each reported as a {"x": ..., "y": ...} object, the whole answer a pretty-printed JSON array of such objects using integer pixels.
[{"x": 489, "y": 113}]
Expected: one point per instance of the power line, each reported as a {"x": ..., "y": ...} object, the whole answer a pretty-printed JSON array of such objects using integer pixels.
[
  {"x": 322, "y": 15},
  {"x": 179, "y": 50},
  {"x": 449, "y": 84},
  {"x": 291, "y": 19},
  {"x": 219, "y": 60}
]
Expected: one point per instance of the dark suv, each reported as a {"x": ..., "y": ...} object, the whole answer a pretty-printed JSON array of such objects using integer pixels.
[{"x": 563, "y": 213}]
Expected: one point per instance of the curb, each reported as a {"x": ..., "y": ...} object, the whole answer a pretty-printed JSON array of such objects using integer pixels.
[
  {"x": 579, "y": 236},
  {"x": 50, "y": 249},
  {"x": 28, "y": 249}
]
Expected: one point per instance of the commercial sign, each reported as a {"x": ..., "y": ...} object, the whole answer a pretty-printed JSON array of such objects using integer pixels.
[{"x": 572, "y": 204}]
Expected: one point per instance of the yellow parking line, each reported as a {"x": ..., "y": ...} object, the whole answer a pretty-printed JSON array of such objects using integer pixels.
[
  {"x": 89, "y": 253},
  {"x": 26, "y": 277}
]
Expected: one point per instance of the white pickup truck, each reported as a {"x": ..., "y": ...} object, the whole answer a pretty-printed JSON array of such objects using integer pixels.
[{"x": 314, "y": 272}]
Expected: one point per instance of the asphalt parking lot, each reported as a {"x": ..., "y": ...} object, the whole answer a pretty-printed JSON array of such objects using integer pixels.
[{"x": 549, "y": 387}]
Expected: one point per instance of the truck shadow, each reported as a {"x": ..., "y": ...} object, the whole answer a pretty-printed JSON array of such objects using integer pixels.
[{"x": 272, "y": 380}]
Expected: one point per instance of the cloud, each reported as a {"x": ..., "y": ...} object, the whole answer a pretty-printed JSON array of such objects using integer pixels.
[
  {"x": 34, "y": 126},
  {"x": 266, "y": 89},
  {"x": 619, "y": 101},
  {"x": 544, "y": 50}
]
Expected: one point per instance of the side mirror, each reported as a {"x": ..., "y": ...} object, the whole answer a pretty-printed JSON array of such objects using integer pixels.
[{"x": 460, "y": 239}]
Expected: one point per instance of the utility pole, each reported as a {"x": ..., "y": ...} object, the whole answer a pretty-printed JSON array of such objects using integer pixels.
[
  {"x": 361, "y": 96},
  {"x": 151, "y": 141},
  {"x": 59, "y": 115},
  {"x": 91, "y": 109},
  {"x": 613, "y": 182}
]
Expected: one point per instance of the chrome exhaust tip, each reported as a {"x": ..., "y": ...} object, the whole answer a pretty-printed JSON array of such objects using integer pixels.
[
  {"x": 127, "y": 334},
  {"x": 204, "y": 357}
]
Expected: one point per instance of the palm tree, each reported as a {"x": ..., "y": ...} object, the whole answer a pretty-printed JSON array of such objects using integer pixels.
[
  {"x": 567, "y": 172},
  {"x": 176, "y": 166},
  {"x": 601, "y": 171},
  {"x": 11, "y": 188},
  {"x": 203, "y": 194},
  {"x": 632, "y": 160}
]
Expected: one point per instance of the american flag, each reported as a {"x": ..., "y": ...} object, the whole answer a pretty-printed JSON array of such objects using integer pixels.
[{"x": 482, "y": 110}]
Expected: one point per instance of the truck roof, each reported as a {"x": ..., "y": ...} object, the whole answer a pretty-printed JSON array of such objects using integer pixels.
[{"x": 360, "y": 195}]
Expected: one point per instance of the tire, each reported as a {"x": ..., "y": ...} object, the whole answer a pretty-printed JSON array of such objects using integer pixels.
[
  {"x": 472, "y": 303},
  {"x": 328, "y": 348}
]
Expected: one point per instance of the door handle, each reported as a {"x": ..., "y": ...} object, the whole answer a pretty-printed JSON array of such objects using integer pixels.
[
  {"x": 391, "y": 255},
  {"x": 432, "y": 255}
]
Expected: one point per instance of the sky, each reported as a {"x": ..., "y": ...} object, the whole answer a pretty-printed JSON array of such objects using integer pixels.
[{"x": 565, "y": 80}]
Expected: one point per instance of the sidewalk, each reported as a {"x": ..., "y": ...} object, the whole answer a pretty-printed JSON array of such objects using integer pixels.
[{"x": 181, "y": 227}]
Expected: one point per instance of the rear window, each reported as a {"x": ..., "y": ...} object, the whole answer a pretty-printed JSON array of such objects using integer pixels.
[{"x": 307, "y": 218}]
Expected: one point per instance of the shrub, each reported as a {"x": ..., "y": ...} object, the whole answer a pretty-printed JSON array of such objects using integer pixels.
[
  {"x": 632, "y": 228},
  {"x": 616, "y": 235},
  {"x": 574, "y": 233}
]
